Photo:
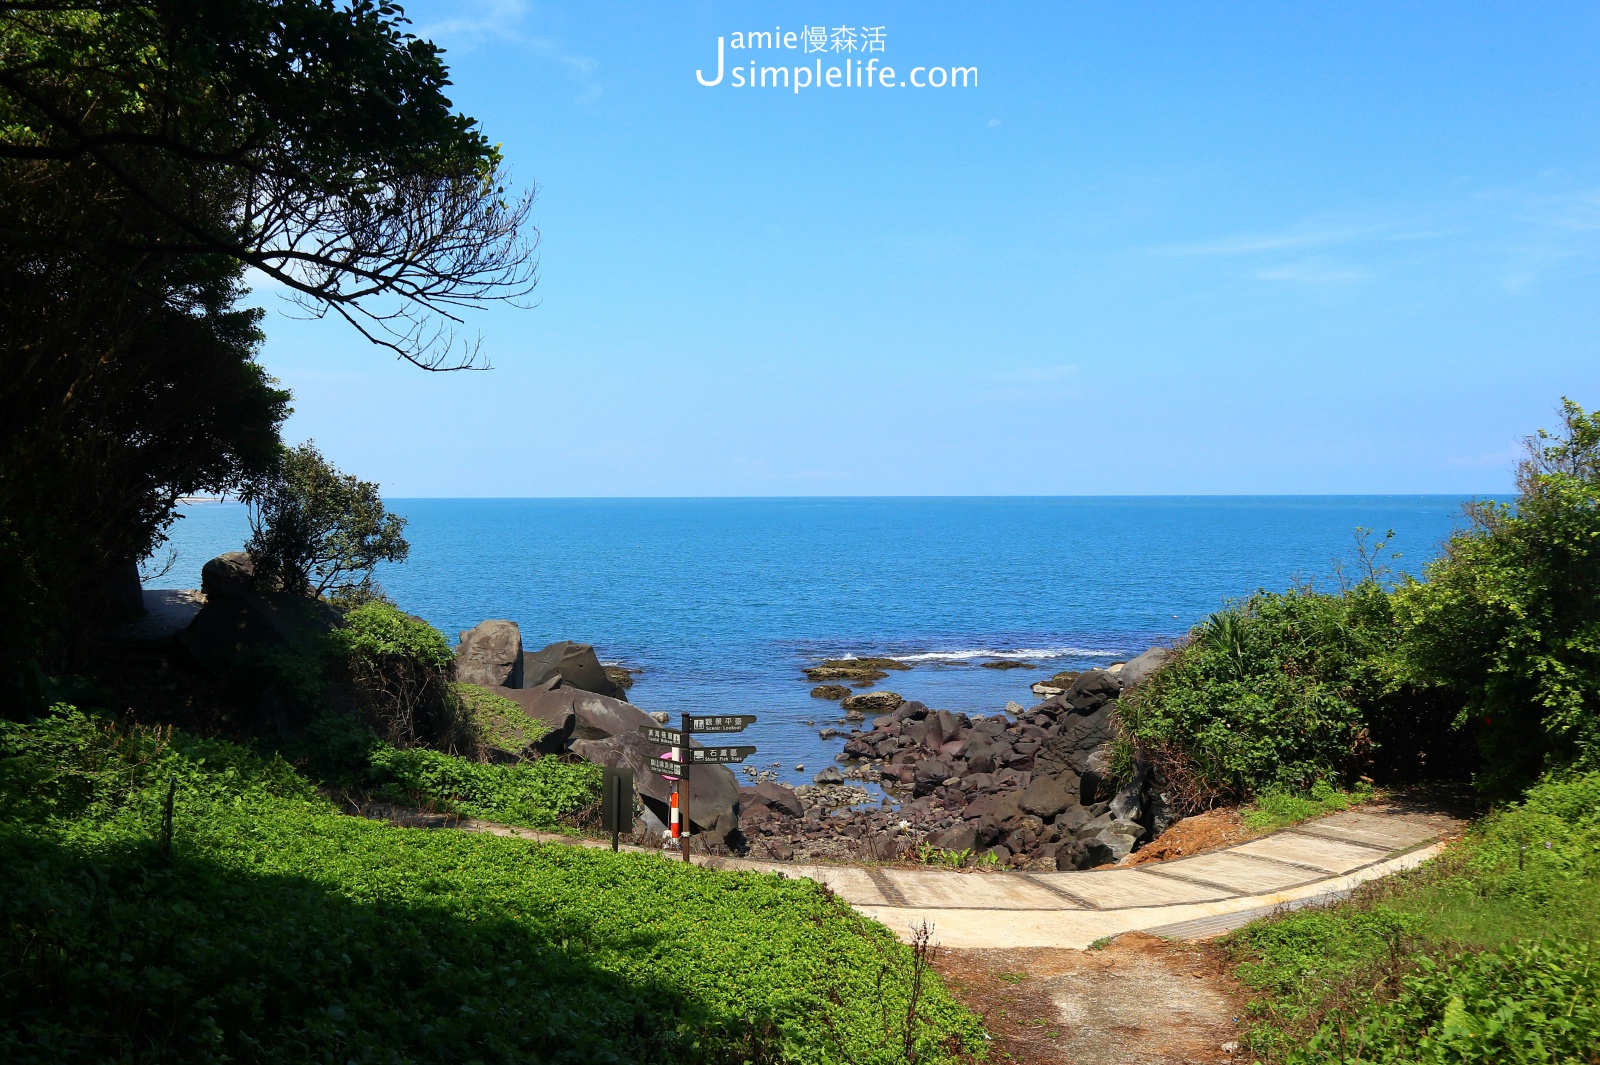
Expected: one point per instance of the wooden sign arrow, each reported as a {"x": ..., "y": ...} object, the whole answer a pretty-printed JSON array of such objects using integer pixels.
[
  {"x": 722, "y": 723},
  {"x": 661, "y": 734},
  {"x": 719, "y": 755},
  {"x": 666, "y": 767}
]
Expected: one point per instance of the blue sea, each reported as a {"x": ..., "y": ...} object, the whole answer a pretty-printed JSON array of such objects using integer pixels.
[{"x": 721, "y": 602}]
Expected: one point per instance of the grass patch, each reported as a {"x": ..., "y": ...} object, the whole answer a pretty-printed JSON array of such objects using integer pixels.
[
  {"x": 546, "y": 794},
  {"x": 1279, "y": 809},
  {"x": 277, "y": 930},
  {"x": 1488, "y": 954}
]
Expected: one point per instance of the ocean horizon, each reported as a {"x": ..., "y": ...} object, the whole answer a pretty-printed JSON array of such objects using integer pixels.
[{"x": 722, "y": 601}]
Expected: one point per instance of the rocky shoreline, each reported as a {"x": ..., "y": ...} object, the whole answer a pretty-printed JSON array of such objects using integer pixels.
[
  {"x": 1027, "y": 788},
  {"x": 1031, "y": 788}
]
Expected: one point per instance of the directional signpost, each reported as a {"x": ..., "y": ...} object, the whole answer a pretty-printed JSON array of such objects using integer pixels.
[{"x": 675, "y": 765}]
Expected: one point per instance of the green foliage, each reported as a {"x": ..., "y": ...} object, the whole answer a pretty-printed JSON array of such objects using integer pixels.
[
  {"x": 314, "y": 529},
  {"x": 537, "y": 794},
  {"x": 279, "y": 930},
  {"x": 1278, "y": 809},
  {"x": 1269, "y": 695},
  {"x": 397, "y": 672},
  {"x": 1509, "y": 617},
  {"x": 497, "y": 722},
  {"x": 1484, "y": 956}
]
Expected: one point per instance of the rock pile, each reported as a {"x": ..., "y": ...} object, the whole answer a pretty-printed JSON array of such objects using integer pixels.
[{"x": 1033, "y": 790}]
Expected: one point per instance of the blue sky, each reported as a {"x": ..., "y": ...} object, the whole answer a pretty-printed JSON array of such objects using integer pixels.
[{"x": 1185, "y": 248}]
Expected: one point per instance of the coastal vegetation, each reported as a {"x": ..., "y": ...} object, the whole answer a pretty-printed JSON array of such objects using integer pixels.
[
  {"x": 1486, "y": 955},
  {"x": 1485, "y": 666},
  {"x": 177, "y": 899}
]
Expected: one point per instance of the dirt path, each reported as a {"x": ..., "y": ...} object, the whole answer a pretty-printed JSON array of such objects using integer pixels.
[{"x": 1141, "y": 1000}]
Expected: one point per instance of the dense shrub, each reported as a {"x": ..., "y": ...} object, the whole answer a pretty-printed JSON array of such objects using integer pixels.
[
  {"x": 536, "y": 794},
  {"x": 398, "y": 672},
  {"x": 1268, "y": 695},
  {"x": 1509, "y": 617},
  {"x": 280, "y": 931}
]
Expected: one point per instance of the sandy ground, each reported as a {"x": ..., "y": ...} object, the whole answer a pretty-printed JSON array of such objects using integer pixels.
[{"x": 1140, "y": 1000}]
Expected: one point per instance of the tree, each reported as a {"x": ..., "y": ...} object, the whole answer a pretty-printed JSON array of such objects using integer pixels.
[
  {"x": 153, "y": 151},
  {"x": 1509, "y": 616},
  {"x": 309, "y": 140},
  {"x": 315, "y": 530}
]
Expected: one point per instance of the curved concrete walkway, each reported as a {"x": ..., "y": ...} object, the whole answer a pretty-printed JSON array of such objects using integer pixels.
[{"x": 1183, "y": 898}]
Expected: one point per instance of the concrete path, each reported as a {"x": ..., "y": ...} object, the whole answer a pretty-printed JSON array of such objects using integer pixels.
[{"x": 1184, "y": 898}]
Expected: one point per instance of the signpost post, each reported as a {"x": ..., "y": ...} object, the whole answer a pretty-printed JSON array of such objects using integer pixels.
[
  {"x": 616, "y": 801},
  {"x": 676, "y": 765}
]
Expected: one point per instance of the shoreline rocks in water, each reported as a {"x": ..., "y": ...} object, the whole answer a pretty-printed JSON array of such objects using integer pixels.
[
  {"x": 830, "y": 691},
  {"x": 1036, "y": 791}
]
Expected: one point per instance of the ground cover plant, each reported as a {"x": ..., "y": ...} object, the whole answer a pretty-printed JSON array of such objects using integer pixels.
[
  {"x": 1490, "y": 954},
  {"x": 256, "y": 923}
]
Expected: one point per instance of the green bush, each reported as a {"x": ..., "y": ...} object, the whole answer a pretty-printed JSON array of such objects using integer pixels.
[
  {"x": 1509, "y": 616},
  {"x": 280, "y": 931},
  {"x": 398, "y": 671},
  {"x": 538, "y": 794},
  {"x": 1268, "y": 695}
]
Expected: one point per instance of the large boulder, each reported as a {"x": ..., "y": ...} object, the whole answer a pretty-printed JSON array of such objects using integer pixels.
[
  {"x": 556, "y": 713},
  {"x": 606, "y": 732},
  {"x": 490, "y": 655},
  {"x": 1108, "y": 841},
  {"x": 575, "y": 663},
  {"x": 713, "y": 794},
  {"x": 230, "y": 573},
  {"x": 1138, "y": 670},
  {"x": 1048, "y": 796},
  {"x": 238, "y": 618},
  {"x": 1092, "y": 690}
]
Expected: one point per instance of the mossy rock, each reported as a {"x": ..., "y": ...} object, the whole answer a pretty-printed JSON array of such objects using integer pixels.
[
  {"x": 498, "y": 723},
  {"x": 866, "y": 663},
  {"x": 853, "y": 673},
  {"x": 621, "y": 676},
  {"x": 1008, "y": 663},
  {"x": 1062, "y": 680},
  {"x": 830, "y": 691}
]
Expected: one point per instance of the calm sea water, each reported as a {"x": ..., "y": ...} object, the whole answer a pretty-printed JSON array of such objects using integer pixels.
[{"x": 722, "y": 601}]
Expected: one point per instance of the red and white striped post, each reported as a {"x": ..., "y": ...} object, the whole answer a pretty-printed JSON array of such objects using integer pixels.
[{"x": 675, "y": 826}]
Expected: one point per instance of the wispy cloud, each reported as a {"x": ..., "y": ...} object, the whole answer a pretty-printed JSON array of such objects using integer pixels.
[
  {"x": 1286, "y": 240},
  {"x": 477, "y": 22},
  {"x": 1315, "y": 271}
]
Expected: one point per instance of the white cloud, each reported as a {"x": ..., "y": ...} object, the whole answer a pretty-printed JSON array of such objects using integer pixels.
[
  {"x": 480, "y": 21},
  {"x": 1314, "y": 271}
]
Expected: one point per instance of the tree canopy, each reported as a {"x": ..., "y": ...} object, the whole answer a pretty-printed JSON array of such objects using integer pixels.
[{"x": 155, "y": 155}]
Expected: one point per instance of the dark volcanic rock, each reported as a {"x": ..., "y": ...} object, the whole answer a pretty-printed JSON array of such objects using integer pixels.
[
  {"x": 1092, "y": 690},
  {"x": 1069, "y": 749},
  {"x": 959, "y": 838},
  {"x": 575, "y": 663},
  {"x": 830, "y": 691},
  {"x": 778, "y": 797},
  {"x": 1048, "y": 796}
]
